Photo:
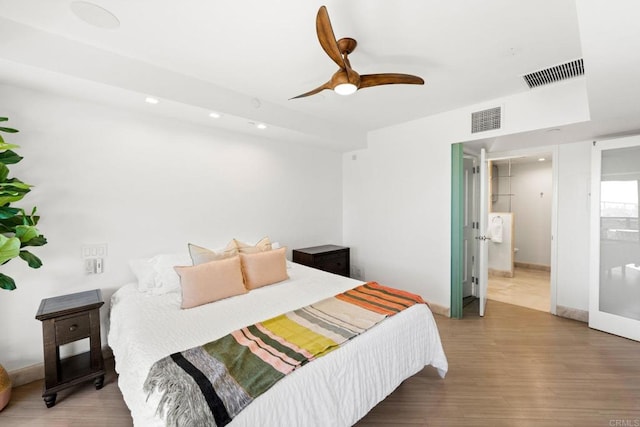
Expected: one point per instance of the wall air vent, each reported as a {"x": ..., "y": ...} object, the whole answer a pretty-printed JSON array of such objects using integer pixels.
[
  {"x": 486, "y": 120},
  {"x": 554, "y": 74}
]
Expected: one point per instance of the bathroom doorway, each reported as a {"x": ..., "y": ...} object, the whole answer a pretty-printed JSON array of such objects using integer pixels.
[{"x": 520, "y": 229}]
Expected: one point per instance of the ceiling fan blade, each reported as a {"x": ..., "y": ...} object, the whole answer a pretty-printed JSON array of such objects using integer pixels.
[
  {"x": 368, "y": 80},
  {"x": 326, "y": 37},
  {"x": 327, "y": 85}
]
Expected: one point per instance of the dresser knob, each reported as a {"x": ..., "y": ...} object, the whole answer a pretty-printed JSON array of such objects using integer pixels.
[{"x": 73, "y": 328}]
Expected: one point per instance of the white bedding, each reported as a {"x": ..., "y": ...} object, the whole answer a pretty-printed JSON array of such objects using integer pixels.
[{"x": 335, "y": 390}]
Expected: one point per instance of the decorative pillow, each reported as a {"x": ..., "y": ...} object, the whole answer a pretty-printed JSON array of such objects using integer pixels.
[
  {"x": 264, "y": 268},
  {"x": 156, "y": 275},
  {"x": 200, "y": 255},
  {"x": 244, "y": 248},
  {"x": 211, "y": 281}
]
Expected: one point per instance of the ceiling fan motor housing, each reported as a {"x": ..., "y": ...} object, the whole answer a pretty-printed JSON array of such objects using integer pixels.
[{"x": 343, "y": 77}]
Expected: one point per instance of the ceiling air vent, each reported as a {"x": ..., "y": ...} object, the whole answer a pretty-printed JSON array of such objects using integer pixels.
[
  {"x": 554, "y": 74},
  {"x": 486, "y": 120}
]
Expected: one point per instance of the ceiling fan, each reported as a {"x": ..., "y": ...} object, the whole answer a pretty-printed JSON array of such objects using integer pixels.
[{"x": 346, "y": 81}]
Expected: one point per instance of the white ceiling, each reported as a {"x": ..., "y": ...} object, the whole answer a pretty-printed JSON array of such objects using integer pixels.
[{"x": 246, "y": 58}]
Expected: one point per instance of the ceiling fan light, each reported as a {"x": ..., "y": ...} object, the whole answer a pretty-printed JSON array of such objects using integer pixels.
[{"x": 345, "y": 89}]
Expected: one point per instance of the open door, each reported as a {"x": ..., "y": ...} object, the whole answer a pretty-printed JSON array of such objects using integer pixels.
[
  {"x": 469, "y": 231},
  {"x": 614, "y": 289},
  {"x": 483, "y": 247}
]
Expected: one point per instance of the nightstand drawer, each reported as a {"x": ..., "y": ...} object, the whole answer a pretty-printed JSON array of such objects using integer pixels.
[
  {"x": 331, "y": 258},
  {"x": 335, "y": 263},
  {"x": 73, "y": 328}
]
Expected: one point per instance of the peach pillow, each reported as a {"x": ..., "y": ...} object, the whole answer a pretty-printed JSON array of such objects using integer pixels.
[
  {"x": 211, "y": 281},
  {"x": 263, "y": 245},
  {"x": 200, "y": 255},
  {"x": 264, "y": 268}
]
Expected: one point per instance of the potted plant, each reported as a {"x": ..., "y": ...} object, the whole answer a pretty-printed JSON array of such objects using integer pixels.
[
  {"x": 5, "y": 388},
  {"x": 17, "y": 229}
]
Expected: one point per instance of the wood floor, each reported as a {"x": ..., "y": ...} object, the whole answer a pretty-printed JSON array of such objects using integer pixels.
[{"x": 515, "y": 367}]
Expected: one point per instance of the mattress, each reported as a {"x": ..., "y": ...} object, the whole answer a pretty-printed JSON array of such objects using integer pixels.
[{"x": 337, "y": 389}]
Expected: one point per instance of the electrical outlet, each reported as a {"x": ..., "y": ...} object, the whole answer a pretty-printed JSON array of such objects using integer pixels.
[
  {"x": 357, "y": 272},
  {"x": 90, "y": 265},
  {"x": 93, "y": 256}
]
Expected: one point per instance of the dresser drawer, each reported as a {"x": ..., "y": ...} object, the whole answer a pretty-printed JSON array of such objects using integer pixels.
[{"x": 73, "y": 328}]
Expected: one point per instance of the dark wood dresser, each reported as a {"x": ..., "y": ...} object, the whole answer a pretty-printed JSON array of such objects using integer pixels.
[
  {"x": 66, "y": 319},
  {"x": 331, "y": 258}
]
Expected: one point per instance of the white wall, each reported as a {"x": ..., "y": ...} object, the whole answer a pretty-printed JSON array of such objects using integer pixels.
[
  {"x": 532, "y": 187},
  {"x": 397, "y": 193},
  {"x": 573, "y": 225},
  {"x": 501, "y": 253},
  {"x": 146, "y": 185}
]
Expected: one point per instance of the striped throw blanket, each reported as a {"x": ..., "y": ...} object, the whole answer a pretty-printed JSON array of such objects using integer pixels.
[{"x": 210, "y": 384}]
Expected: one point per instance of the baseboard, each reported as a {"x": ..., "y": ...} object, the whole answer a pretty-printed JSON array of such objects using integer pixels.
[
  {"x": 27, "y": 375},
  {"x": 35, "y": 372},
  {"x": 572, "y": 313},
  {"x": 440, "y": 309},
  {"x": 533, "y": 266},
  {"x": 500, "y": 273}
]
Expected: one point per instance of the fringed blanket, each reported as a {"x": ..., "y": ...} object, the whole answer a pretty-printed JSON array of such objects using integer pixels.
[{"x": 209, "y": 385}]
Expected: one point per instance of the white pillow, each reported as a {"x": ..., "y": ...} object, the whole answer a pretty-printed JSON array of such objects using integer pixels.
[
  {"x": 156, "y": 275},
  {"x": 200, "y": 255}
]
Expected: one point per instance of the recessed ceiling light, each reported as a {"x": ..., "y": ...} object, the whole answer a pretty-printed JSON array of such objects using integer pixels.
[
  {"x": 541, "y": 159},
  {"x": 95, "y": 15},
  {"x": 215, "y": 115},
  {"x": 151, "y": 100},
  {"x": 261, "y": 126}
]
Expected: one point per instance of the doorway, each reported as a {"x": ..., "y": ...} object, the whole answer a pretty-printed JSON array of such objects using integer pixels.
[
  {"x": 457, "y": 222},
  {"x": 519, "y": 228},
  {"x": 614, "y": 286}
]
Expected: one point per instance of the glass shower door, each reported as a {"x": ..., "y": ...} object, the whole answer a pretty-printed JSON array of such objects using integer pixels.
[{"x": 614, "y": 298}]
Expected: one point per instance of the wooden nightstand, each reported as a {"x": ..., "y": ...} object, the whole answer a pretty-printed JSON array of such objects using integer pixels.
[
  {"x": 331, "y": 258},
  {"x": 66, "y": 319}
]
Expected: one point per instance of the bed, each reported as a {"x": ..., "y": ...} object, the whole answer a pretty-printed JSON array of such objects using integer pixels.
[{"x": 337, "y": 389}]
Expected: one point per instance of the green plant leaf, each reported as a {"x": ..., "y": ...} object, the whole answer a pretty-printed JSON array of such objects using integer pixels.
[
  {"x": 4, "y": 172},
  {"x": 16, "y": 184},
  {"x": 8, "y": 212},
  {"x": 9, "y": 191},
  {"x": 36, "y": 241},
  {"x": 31, "y": 259},
  {"x": 10, "y": 199},
  {"x": 33, "y": 219},
  {"x": 5, "y": 146},
  {"x": 9, "y": 130},
  {"x": 9, "y": 248},
  {"x": 7, "y": 282},
  {"x": 3, "y": 119},
  {"x": 26, "y": 232},
  {"x": 12, "y": 222},
  {"x": 10, "y": 157}
]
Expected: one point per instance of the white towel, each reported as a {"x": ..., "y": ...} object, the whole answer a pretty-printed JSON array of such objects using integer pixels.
[{"x": 495, "y": 229}]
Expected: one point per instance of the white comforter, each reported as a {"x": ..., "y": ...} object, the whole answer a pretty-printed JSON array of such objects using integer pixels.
[{"x": 335, "y": 390}]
